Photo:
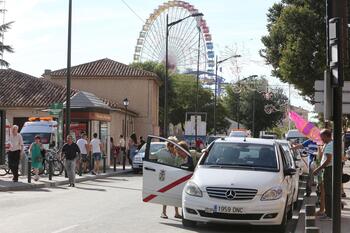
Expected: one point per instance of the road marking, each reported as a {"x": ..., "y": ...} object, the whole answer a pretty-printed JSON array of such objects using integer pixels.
[{"x": 65, "y": 229}]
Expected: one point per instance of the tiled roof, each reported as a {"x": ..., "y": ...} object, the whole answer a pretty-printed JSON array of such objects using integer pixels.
[
  {"x": 103, "y": 68},
  {"x": 18, "y": 89},
  {"x": 84, "y": 99}
]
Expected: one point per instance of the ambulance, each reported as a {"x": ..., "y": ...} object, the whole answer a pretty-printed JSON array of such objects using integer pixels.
[{"x": 45, "y": 127}]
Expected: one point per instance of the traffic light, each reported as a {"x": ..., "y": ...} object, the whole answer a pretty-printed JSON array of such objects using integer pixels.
[{"x": 335, "y": 50}]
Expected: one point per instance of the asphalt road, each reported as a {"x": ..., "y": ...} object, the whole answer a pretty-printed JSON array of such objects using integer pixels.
[{"x": 108, "y": 205}]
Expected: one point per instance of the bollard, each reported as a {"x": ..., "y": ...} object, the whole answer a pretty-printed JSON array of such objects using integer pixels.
[
  {"x": 310, "y": 215},
  {"x": 104, "y": 163},
  {"x": 80, "y": 166},
  {"x": 124, "y": 158},
  {"x": 114, "y": 163},
  {"x": 312, "y": 230},
  {"x": 50, "y": 167},
  {"x": 29, "y": 169}
]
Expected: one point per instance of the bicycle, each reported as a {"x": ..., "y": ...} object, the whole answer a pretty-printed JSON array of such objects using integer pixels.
[
  {"x": 57, "y": 164},
  {"x": 87, "y": 163},
  {"x": 5, "y": 169}
]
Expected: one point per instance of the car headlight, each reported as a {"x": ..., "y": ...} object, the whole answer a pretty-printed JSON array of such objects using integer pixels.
[
  {"x": 274, "y": 193},
  {"x": 193, "y": 190}
]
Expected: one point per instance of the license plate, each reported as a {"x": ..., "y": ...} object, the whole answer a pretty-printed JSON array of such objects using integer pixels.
[{"x": 228, "y": 209}]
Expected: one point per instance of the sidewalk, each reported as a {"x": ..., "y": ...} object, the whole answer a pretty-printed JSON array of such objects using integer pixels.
[
  {"x": 326, "y": 226},
  {"x": 6, "y": 183}
]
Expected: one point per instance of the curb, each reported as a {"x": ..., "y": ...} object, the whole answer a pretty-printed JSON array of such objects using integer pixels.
[{"x": 53, "y": 184}]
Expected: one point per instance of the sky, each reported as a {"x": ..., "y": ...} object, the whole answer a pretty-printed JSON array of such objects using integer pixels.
[{"x": 108, "y": 28}]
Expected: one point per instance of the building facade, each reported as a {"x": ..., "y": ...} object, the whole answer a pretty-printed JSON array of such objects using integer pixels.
[{"x": 116, "y": 81}]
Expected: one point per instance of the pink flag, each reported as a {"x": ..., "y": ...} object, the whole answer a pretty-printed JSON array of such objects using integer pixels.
[{"x": 305, "y": 127}]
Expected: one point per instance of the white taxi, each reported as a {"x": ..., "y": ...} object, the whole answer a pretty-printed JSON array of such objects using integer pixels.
[{"x": 237, "y": 180}]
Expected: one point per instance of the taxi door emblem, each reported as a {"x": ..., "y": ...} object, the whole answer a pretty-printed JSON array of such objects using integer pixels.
[{"x": 162, "y": 175}]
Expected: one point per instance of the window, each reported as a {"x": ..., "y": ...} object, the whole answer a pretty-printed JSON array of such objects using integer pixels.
[
  {"x": 169, "y": 153},
  {"x": 242, "y": 155}
]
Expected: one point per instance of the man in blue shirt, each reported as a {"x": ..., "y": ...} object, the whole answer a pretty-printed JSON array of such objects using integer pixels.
[{"x": 310, "y": 147}]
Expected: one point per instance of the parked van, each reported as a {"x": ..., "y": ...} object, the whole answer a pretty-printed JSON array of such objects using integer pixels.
[{"x": 45, "y": 127}]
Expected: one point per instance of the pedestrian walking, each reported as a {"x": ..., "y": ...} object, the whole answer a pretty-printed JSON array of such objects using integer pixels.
[
  {"x": 113, "y": 151},
  {"x": 122, "y": 146},
  {"x": 97, "y": 149},
  {"x": 70, "y": 152},
  {"x": 84, "y": 150},
  {"x": 36, "y": 149},
  {"x": 132, "y": 147},
  {"x": 15, "y": 151},
  {"x": 326, "y": 168}
]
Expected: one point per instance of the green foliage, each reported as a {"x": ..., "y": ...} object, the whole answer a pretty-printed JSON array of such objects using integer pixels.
[
  {"x": 246, "y": 105},
  {"x": 295, "y": 44},
  {"x": 4, "y": 48},
  {"x": 182, "y": 91}
]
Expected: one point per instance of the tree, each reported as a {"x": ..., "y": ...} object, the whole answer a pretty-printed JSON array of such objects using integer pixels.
[
  {"x": 182, "y": 97},
  {"x": 295, "y": 44},
  {"x": 4, "y": 48},
  {"x": 251, "y": 99}
]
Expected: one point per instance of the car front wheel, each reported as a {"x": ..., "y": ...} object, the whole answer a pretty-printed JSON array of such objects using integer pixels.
[{"x": 188, "y": 223}]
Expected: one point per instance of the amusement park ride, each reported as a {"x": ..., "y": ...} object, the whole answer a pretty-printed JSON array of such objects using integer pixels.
[{"x": 183, "y": 40}]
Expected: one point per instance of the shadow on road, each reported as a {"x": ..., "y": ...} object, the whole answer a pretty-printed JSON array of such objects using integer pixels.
[
  {"x": 113, "y": 187},
  {"x": 212, "y": 228},
  {"x": 91, "y": 189}
]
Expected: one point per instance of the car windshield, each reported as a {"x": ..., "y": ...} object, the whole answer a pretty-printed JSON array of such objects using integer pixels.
[
  {"x": 242, "y": 155},
  {"x": 28, "y": 138},
  {"x": 154, "y": 148},
  {"x": 238, "y": 134}
]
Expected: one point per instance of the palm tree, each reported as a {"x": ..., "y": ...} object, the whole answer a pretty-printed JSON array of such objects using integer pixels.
[{"x": 4, "y": 48}]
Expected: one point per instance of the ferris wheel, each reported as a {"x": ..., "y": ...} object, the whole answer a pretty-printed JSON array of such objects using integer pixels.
[{"x": 183, "y": 40}]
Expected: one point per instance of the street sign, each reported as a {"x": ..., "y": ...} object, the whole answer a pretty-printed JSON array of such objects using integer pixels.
[
  {"x": 319, "y": 96},
  {"x": 56, "y": 109}
]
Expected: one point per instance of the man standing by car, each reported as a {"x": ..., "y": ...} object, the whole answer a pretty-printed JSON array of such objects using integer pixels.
[
  {"x": 311, "y": 149},
  {"x": 70, "y": 152},
  {"x": 326, "y": 167},
  {"x": 16, "y": 147}
]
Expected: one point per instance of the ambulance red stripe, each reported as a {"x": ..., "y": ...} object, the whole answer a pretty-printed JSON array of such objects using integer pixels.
[{"x": 168, "y": 187}]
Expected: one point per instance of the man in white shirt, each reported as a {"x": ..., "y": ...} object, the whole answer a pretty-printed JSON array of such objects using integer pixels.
[
  {"x": 97, "y": 149},
  {"x": 16, "y": 148},
  {"x": 84, "y": 150}
]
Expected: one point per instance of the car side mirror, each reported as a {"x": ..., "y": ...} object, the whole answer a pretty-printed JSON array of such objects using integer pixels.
[{"x": 289, "y": 171}]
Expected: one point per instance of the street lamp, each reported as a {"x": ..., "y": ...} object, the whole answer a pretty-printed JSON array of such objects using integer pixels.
[
  {"x": 216, "y": 84},
  {"x": 125, "y": 103},
  {"x": 196, "y": 108},
  {"x": 169, "y": 25}
]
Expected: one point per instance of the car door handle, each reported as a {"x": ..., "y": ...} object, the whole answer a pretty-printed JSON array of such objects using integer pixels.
[{"x": 150, "y": 169}]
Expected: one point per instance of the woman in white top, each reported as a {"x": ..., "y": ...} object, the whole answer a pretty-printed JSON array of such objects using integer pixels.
[
  {"x": 96, "y": 148},
  {"x": 16, "y": 147}
]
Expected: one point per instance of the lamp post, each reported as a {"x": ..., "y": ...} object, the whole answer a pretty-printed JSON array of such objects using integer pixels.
[
  {"x": 125, "y": 103},
  {"x": 68, "y": 69},
  {"x": 216, "y": 84},
  {"x": 169, "y": 25},
  {"x": 197, "y": 91}
]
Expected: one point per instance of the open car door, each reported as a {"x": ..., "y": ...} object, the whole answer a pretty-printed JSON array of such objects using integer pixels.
[{"x": 165, "y": 173}]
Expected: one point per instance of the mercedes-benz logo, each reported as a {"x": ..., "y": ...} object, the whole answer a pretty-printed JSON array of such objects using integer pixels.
[{"x": 230, "y": 194}]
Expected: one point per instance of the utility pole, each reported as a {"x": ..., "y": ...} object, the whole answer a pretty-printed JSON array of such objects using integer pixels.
[
  {"x": 338, "y": 43},
  {"x": 68, "y": 68}
]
